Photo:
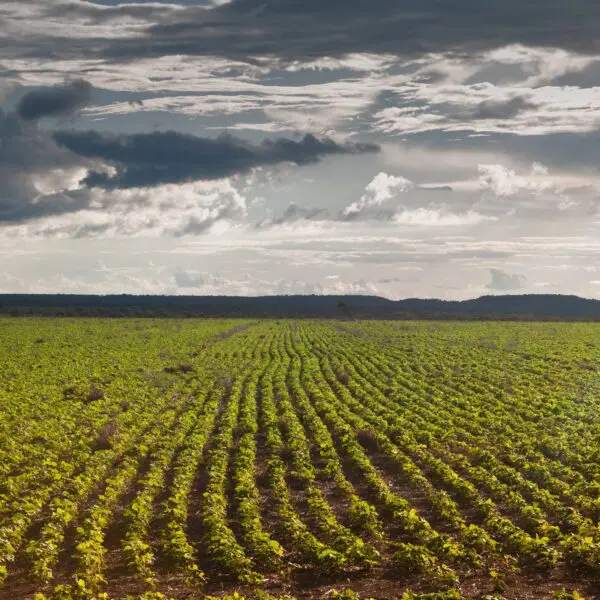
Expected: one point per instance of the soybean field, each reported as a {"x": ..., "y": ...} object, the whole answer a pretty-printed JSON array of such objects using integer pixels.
[{"x": 192, "y": 458}]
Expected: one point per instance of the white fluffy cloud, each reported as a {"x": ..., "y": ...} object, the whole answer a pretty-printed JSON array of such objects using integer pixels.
[
  {"x": 506, "y": 182},
  {"x": 540, "y": 194},
  {"x": 383, "y": 187},
  {"x": 173, "y": 210}
]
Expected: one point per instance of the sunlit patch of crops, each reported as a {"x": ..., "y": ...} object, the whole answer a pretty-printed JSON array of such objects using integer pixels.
[{"x": 158, "y": 459}]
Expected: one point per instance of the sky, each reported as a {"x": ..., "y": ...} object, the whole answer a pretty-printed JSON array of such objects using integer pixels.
[{"x": 255, "y": 147}]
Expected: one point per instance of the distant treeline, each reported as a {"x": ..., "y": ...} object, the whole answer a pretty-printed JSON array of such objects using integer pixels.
[{"x": 516, "y": 307}]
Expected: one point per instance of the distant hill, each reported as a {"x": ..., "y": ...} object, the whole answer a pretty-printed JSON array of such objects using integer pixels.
[{"x": 524, "y": 307}]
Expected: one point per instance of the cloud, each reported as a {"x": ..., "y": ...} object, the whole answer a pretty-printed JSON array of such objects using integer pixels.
[
  {"x": 475, "y": 98},
  {"x": 294, "y": 31},
  {"x": 340, "y": 287},
  {"x": 151, "y": 159},
  {"x": 294, "y": 213},
  {"x": 187, "y": 279},
  {"x": 383, "y": 187},
  {"x": 94, "y": 14},
  {"x": 434, "y": 215},
  {"x": 438, "y": 217},
  {"x": 47, "y": 175},
  {"x": 209, "y": 283},
  {"x": 57, "y": 101},
  {"x": 506, "y": 182},
  {"x": 313, "y": 28},
  {"x": 36, "y": 174},
  {"x": 246, "y": 261},
  {"x": 504, "y": 281},
  {"x": 502, "y": 109},
  {"x": 169, "y": 210},
  {"x": 433, "y": 187},
  {"x": 584, "y": 75}
]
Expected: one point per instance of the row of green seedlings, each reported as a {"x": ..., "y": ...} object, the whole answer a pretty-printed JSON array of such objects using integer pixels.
[
  {"x": 439, "y": 419},
  {"x": 90, "y": 550},
  {"x": 65, "y": 508},
  {"x": 222, "y": 546},
  {"x": 473, "y": 537},
  {"x": 27, "y": 492},
  {"x": 561, "y": 414},
  {"x": 474, "y": 416},
  {"x": 307, "y": 546},
  {"x": 568, "y": 517},
  {"x": 362, "y": 515},
  {"x": 62, "y": 488},
  {"x": 436, "y": 361},
  {"x": 363, "y": 388},
  {"x": 356, "y": 551},
  {"x": 74, "y": 417},
  {"x": 531, "y": 550},
  {"x": 174, "y": 513},
  {"x": 152, "y": 445},
  {"x": 437, "y": 422},
  {"x": 560, "y": 408},
  {"x": 266, "y": 551},
  {"x": 30, "y": 463},
  {"x": 581, "y": 549},
  {"x": 477, "y": 422},
  {"x": 138, "y": 435},
  {"x": 407, "y": 465},
  {"x": 191, "y": 458},
  {"x": 369, "y": 383},
  {"x": 428, "y": 549},
  {"x": 140, "y": 512},
  {"x": 25, "y": 451},
  {"x": 26, "y": 510},
  {"x": 476, "y": 540}
]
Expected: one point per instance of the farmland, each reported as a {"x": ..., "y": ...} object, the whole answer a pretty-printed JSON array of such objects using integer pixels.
[{"x": 188, "y": 458}]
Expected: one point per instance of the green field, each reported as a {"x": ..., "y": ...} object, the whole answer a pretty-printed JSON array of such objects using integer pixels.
[{"x": 192, "y": 458}]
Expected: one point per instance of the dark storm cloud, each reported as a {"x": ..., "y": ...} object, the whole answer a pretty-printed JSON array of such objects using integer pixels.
[
  {"x": 302, "y": 29},
  {"x": 305, "y": 29},
  {"x": 152, "y": 159},
  {"x": 27, "y": 153},
  {"x": 57, "y": 101}
]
